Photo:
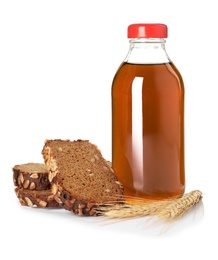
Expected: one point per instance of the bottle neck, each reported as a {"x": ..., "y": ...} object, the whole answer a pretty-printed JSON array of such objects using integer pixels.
[{"x": 147, "y": 51}]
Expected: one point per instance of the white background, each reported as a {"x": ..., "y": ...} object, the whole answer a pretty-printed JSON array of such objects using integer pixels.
[{"x": 57, "y": 62}]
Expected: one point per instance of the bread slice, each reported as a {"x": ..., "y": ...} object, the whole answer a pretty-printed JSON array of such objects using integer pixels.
[
  {"x": 31, "y": 176},
  {"x": 38, "y": 199},
  {"x": 80, "y": 176}
]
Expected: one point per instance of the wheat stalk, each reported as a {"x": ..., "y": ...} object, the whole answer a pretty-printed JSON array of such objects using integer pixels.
[{"x": 169, "y": 209}]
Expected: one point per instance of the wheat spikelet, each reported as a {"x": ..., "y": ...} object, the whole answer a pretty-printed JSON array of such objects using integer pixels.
[
  {"x": 179, "y": 207},
  {"x": 170, "y": 209}
]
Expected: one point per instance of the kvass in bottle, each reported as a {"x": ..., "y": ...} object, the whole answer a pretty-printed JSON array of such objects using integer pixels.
[{"x": 148, "y": 117}]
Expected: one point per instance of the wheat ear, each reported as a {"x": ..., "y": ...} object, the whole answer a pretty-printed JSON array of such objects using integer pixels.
[{"x": 170, "y": 209}]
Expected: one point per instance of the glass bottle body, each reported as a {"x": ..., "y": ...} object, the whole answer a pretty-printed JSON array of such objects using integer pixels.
[{"x": 148, "y": 124}]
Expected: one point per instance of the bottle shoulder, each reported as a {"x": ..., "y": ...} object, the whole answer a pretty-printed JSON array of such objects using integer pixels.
[
  {"x": 156, "y": 72},
  {"x": 143, "y": 69},
  {"x": 147, "y": 52}
]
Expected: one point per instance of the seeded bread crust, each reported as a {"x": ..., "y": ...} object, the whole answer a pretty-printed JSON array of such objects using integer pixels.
[
  {"x": 68, "y": 202},
  {"x": 37, "y": 199},
  {"x": 80, "y": 177},
  {"x": 31, "y": 176}
]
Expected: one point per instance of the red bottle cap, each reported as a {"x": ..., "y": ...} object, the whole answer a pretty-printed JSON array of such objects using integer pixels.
[{"x": 147, "y": 30}]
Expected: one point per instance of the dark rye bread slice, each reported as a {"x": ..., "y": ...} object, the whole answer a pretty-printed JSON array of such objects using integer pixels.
[
  {"x": 31, "y": 176},
  {"x": 37, "y": 199},
  {"x": 80, "y": 176}
]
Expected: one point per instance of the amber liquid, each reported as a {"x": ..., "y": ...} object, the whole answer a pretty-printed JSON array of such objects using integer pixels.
[{"x": 148, "y": 130}]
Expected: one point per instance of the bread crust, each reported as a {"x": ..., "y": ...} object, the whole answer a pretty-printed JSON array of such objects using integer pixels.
[
  {"x": 37, "y": 199},
  {"x": 31, "y": 176}
]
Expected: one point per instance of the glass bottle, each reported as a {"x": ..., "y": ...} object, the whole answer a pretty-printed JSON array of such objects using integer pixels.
[{"x": 148, "y": 117}]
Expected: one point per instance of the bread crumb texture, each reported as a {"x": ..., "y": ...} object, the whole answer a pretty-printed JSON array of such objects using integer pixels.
[{"x": 80, "y": 170}]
